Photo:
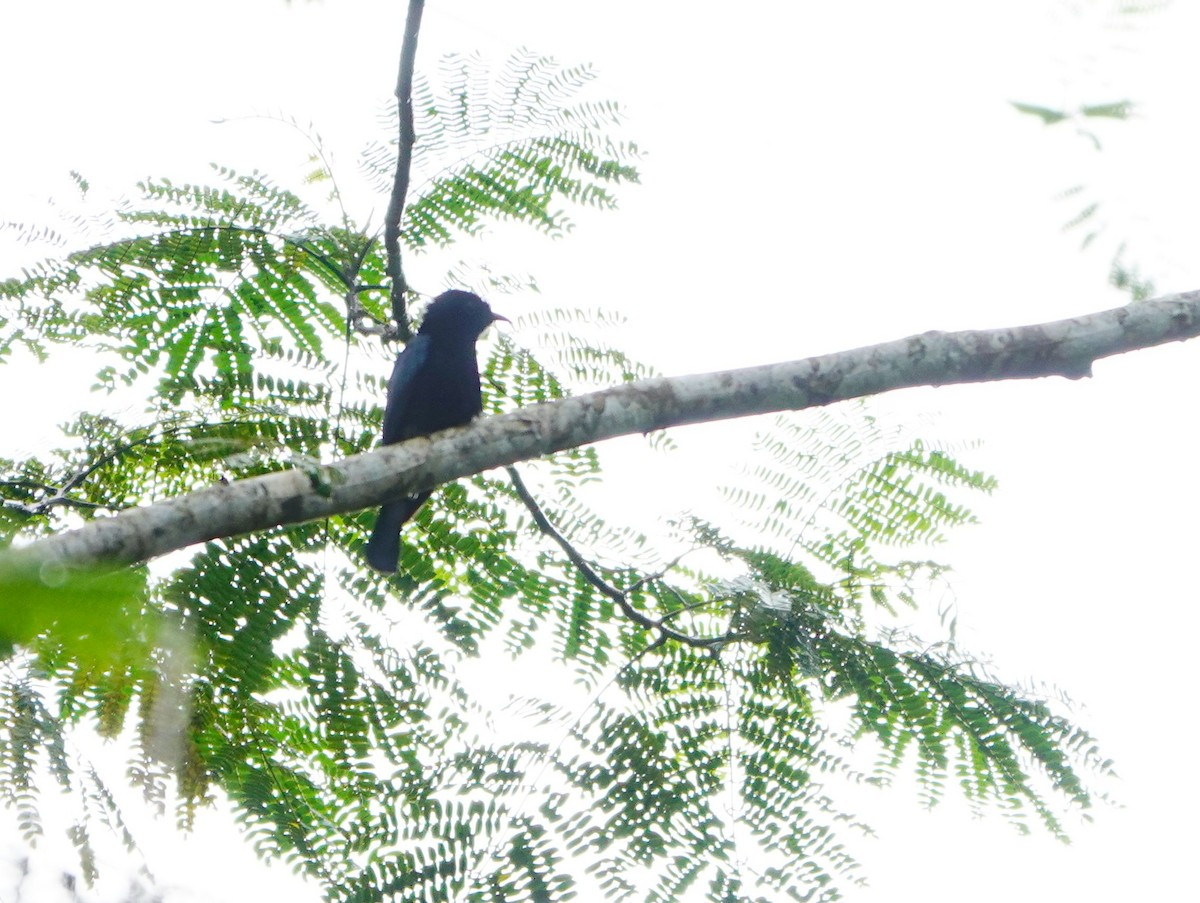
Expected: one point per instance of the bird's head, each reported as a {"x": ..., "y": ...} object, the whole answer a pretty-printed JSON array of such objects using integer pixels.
[{"x": 458, "y": 313}]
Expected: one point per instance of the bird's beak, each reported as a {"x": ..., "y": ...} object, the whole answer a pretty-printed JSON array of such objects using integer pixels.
[{"x": 496, "y": 317}]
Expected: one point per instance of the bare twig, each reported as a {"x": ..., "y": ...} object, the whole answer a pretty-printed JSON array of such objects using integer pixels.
[
  {"x": 591, "y": 576},
  {"x": 395, "y": 211},
  {"x": 692, "y": 606},
  {"x": 58, "y": 496},
  {"x": 658, "y": 575},
  {"x": 356, "y": 315},
  {"x": 46, "y": 504}
]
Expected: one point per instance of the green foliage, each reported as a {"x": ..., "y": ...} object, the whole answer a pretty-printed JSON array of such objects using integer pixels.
[
  {"x": 1121, "y": 109},
  {"x": 1089, "y": 209},
  {"x": 686, "y": 727},
  {"x": 88, "y": 617},
  {"x": 507, "y": 144}
]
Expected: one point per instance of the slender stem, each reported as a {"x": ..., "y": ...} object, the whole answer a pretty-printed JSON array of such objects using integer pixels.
[
  {"x": 408, "y": 137},
  {"x": 591, "y": 576}
]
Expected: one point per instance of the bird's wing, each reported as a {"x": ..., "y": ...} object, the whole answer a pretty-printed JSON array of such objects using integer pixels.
[{"x": 408, "y": 363}]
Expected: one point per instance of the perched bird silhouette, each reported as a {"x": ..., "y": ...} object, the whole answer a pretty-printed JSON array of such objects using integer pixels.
[{"x": 434, "y": 386}]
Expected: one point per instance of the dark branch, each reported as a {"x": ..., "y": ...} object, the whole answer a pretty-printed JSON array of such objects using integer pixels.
[
  {"x": 395, "y": 211},
  {"x": 591, "y": 576}
]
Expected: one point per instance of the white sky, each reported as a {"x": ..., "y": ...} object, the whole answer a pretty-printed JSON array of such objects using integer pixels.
[{"x": 820, "y": 176}]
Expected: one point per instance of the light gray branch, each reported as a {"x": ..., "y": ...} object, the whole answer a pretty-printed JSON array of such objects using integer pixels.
[{"x": 1063, "y": 348}]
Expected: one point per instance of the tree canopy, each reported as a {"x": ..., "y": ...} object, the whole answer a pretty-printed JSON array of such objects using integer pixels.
[{"x": 699, "y": 695}]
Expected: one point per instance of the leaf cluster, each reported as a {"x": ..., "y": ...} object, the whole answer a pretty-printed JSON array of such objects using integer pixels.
[{"x": 371, "y": 732}]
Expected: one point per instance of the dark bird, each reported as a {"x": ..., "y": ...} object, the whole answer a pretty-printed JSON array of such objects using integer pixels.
[{"x": 434, "y": 386}]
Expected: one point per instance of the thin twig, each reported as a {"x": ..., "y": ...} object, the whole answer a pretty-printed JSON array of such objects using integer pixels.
[
  {"x": 395, "y": 211},
  {"x": 694, "y": 606},
  {"x": 356, "y": 314},
  {"x": 60, "y": 495},
  {"x": 46, "y": 504},
  {"x": 662, "y": 572},
  {"x": 591, "y": 576}
]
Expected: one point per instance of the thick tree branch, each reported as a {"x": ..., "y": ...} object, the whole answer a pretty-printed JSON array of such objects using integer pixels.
[
  {"x": 1062, "y": 348},
  {"x": 407, "y": 137}
]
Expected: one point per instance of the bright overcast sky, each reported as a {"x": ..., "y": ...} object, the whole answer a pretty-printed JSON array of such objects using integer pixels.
[{"x": 819, "y": 176}]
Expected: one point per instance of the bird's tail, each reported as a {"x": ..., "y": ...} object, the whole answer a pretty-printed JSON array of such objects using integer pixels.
[{"x": 383, "y": 548}]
